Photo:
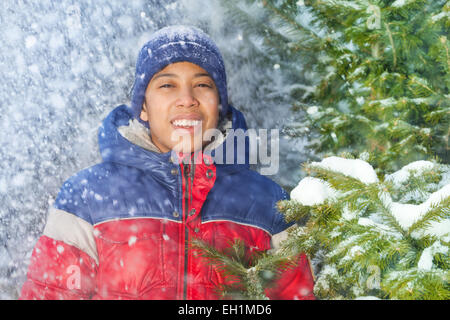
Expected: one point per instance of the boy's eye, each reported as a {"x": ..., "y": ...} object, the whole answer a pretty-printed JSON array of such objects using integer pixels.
[
  {"x": 201, "y": 85},
  {"x": 204, "y": 85}
]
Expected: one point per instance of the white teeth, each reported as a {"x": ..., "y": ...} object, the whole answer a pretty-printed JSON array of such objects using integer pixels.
[{"x": 186, "y": 123}]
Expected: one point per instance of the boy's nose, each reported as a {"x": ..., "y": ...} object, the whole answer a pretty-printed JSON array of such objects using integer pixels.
[{"x": 187, "y": 98}]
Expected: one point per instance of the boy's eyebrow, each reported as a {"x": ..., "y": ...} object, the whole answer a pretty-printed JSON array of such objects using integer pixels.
[
  {"x": 197, "y": 75},
  {"x": 164, "y": 75},
  {"x": 173, "y": 75}
]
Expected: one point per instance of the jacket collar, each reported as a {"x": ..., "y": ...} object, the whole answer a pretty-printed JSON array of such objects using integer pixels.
[{"x": 123, "y": 139}]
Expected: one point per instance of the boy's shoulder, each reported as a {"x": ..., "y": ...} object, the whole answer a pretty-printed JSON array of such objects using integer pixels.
[
  {"x": 78, "y": 190},
  {"x": 90, "y": 174},
  {"x": 255, "y": 181},
  {"x": 100, "y": 173}
]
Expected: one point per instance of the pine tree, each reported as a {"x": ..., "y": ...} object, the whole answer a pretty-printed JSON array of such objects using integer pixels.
[
  {"x": 367, "y": 76},
  {"x": 366, "y": 236}
]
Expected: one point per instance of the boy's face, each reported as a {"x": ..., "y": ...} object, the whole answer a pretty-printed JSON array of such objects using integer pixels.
[{"x": 181, "y": 103}]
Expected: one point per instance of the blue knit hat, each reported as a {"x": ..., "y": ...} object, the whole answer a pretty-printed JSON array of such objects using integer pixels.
[{"x": 175, "y": 44}]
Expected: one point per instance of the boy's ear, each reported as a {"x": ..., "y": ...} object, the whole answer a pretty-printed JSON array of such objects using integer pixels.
[{"x": 144, "y": 114}]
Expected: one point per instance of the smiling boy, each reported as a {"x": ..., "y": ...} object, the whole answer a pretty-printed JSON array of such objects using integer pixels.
[{"x": 122, "y": 229}]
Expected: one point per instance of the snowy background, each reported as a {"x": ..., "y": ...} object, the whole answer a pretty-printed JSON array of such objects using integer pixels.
[{"x": 66, "y": 64}]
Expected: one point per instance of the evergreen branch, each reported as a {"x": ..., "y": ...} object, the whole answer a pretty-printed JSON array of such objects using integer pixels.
[
  {"x": 336, "y": 179},
  {"x": 242, "y": 272},
  {"x": 302, "y": 239},
  {"x": 353, "y": 189},
  {"x": 227, "y": 264},
  {"x": 437, "y": 212},
  {"x": 293, "y": 210},
  {"x": 414, "y": 284},
  {"x": 443, "y": 42},
  {"x": 388, "y": 216},
  {"x": 254, "y": 25},
  {"x": 290, "y": 20},
  {"x": 391, "y": 40},
  {"x": 422, "y": 83},
  {"x": 275, "y": 42},
  {"x": 327, "y": 41}
]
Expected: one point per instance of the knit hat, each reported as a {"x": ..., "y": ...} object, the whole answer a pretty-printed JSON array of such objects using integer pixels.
[{"x": 175, "y": 44}]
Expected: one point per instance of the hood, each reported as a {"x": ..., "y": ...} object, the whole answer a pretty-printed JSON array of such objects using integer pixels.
[{"x": 124, "y": 140}]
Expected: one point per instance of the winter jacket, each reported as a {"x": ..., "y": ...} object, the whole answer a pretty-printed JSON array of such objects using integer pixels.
[{"x": 121, "y": 229}]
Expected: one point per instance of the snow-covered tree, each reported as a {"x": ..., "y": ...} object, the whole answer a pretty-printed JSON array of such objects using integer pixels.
[
  {"x": 366, "y": 236},
  {"x": 364, "y": 76},
  {"x": 387, "y": 238}
]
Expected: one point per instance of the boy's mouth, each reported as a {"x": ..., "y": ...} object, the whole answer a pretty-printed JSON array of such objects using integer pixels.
[
  {"x": 186, "y": 123},
  {"x": 189, "y": 122}
]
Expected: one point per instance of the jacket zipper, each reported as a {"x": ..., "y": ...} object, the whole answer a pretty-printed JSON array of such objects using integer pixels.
[{"x": 186, "y": 233}]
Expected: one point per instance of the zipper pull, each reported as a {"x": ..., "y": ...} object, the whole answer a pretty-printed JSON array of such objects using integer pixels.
[{"x": 186, "y": 169}]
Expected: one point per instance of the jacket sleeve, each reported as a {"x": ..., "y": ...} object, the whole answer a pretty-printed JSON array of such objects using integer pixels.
[
  {"x": 64, "y": 261},
  {"x": 297, "y": 282},
  {"x": 58, "y": 271}
]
